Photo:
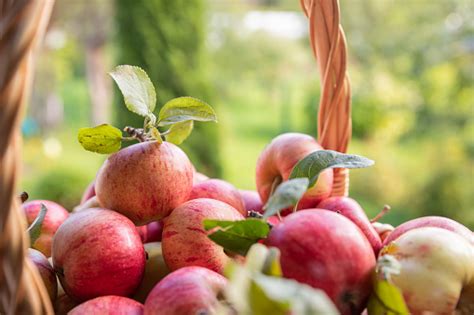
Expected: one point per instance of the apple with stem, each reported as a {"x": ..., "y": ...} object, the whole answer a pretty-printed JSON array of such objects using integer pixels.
[
  {"x": 98, "y": 252},
  {"x": 437, "y": 271},
  {"x": 326, "y": 251},
  {"x": 352, "y": 210},
  {"x": 145, "y": 181},
  {"x": 189, "y": 290},
  {"x": 108, "y": 305},
  {"x": 185, "y": 242},
  {"x": 46, "y": 272},
  {"x": 219, "y": 190},
  {"x": 55, "y": 216},
  {"x": 431, "y": 221},
  {"x": 277, "y": 161}
]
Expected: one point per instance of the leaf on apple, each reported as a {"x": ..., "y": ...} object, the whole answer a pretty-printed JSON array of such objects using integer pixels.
[
  {"x": 179, "y": 132},
  {"x": 103, "y": 139},
  {"x": 185, "y": 108},
  {"x": 286, "y": 195},
  {"x": 137, "y": 89},
  {"x": 386, "y": 298},
  {"x": 261, "y": 258},
  {"x": 314, "y": 163},
  {"x": 253, "y": 291},
  {"x": 237, "y": 236},
  {"x": 34, "y": 230}
]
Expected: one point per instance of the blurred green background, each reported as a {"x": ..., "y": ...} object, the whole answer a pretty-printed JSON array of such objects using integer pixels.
[{"x": 411, "y": 69}]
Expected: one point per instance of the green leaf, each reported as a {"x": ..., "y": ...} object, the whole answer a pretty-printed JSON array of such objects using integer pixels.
[
  {"x": 262, "y": 304},
  {"x": 103, "y": 139},
  {"x": 155, "y": 133},
  {"x": 185, "y": 108},
  {"x": 34, "y": 230},
  {"x": 386, "y": 298},
  {"x": 286, "y": 195},
  {"x": 136, "y": 87},
  {"x": 262, "y": 259},
  {"x": 237, "y": 236},
  {"x": 314, "y": 163},
  {"x": 179, "y": 132},
  {"x": 301, "y": 298}
]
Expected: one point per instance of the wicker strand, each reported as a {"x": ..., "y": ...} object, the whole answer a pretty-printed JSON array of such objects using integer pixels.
[
  {"x": 329, "y": 47},
  {"x": 22, "y": 22}
]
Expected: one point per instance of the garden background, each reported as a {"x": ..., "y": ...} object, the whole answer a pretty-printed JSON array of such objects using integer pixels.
[{"x": 411, "y": 69}]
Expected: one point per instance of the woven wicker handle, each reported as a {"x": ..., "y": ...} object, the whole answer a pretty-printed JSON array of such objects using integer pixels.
[
  {"x": 329, "y": 47},
  {"x": 22, "y": 22}
]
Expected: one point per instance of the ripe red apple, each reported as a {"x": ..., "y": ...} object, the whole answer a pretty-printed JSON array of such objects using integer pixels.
[
  {"x": 437, "y": 271},
  {"x": 154, "y": 231},
  {"x": 145, "y": 181},
  {"x": 252, "y": 200},
  {"x": 219, "y": 190},
  {"x": 351, "y": 209},
  {"x": 109, "y": 305},
  {"x": 46, "y": 272},
  {"x": 189, "y": 290},
  {"x": 88, "y": 193},
  {"x": 327, "y": 251},
  {"x": 277, "y": 161},
  {"x": 54, "y": 217},
  {"x": 155, "y": 270},
  {"x": 142, "y": 232},
  {"x": 185, "y": 242},
  {"x": 98, "y": 252},
  {"x": 431, "y": 221}
]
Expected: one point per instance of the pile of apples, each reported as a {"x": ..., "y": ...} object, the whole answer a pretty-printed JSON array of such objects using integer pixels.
[{"x": 137, "y": 243}]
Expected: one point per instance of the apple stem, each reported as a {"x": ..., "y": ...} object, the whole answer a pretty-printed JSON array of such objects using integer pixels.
[
  {"x": 276, "y": 181},
  {"x": 384, "y": 211},
  {"x": 136, "y": 133}
]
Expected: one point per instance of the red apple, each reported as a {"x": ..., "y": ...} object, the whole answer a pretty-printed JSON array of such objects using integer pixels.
[
  {"x": 154, "y": 231},
  {"x": 145, "y": 181},
  {"x": 108, "y": 305},
  {"x": 46, "y": 272},
  {"x": 155, "y": 270},
  {"x": 142, "y": 232},
  {"x": 252, "y": 200},
  {"x": 185, "y": 242},
  {"x": 327, "y": 251},
  {"x": 437, "y": 271},
  {"x": 55, "y": 216},
  {"x": 98, "y": 252},
  {"x": 351, "y": 209},
  {"x": 88, "y": 193},
  {"x": 219, "y": 190},
  {"x": 431, "y": 221},
  {"x": 277, "y": 161},
  {"x": 189, "y": 290}
]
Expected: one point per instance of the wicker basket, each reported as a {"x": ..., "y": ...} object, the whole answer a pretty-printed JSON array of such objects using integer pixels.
[{"x": 22, "y": 23}]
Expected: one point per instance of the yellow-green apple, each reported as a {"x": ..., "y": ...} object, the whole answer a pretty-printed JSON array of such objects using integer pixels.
[
  {"x": 98, "y": 252},
  {"x": 108, "y": 305},
  {"x": 145, "y": 181},
  {"x": 277, "y": 161},
  {"x": 219, "y": 190},
  {"x": 46, "y": 272},
  {"x": 252, "y": 200},
  {"x": 351, "y": 209},
  {"x": 185, "y": 242},
  {"x": 155, "y": 270},
  {"x": 431, "y": 221},
  {"x": 189, "y": 290},
  {"x": 326, "y": 251},
  {"x": 383, "y": 229},
  {"x": 437, "y": 271},
  {"x": 88, "y": 193},
  {"x": 55, "y": 216}
]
